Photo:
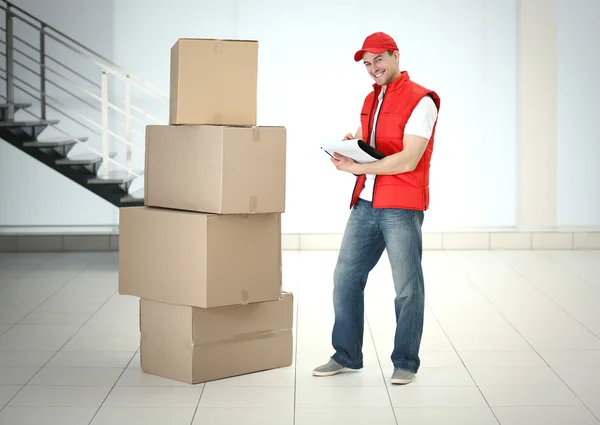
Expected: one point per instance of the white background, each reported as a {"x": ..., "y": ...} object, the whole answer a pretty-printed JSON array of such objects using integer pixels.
[{"x": 308, "y": 82}]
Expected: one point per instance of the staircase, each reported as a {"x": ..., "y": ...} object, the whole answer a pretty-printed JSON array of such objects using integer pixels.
[{"x": 88, "y": 94}]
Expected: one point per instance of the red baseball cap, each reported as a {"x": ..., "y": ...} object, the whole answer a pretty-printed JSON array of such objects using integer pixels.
[{"x": 376, "y": 43}]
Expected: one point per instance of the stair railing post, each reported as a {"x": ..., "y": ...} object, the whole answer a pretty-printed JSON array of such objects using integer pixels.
[
  {"x": 105, "y": 154},
  {"x": 43, "y": 71},
  {"x": 10, "y": 84},
  {"x": 128, "y": 122}
]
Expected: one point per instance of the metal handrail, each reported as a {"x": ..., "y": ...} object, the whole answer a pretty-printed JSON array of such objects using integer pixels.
[
  {"x": 92, "y": 95},
  {"x": 106, "y": 66},
  {"x": 58, "y": 74},
  {"x": 83, "y": 77},
  {"x": 70, "y": 116}
]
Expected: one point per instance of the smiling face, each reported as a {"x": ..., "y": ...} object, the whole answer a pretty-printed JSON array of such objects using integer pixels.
[{"x": 384, "y": 67}]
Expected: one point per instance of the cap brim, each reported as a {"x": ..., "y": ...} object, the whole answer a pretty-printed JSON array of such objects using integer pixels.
[{"x": 358, "y": 55}]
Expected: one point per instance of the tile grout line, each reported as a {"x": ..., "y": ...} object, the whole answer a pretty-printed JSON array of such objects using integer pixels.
[
  {"x": 463, "y": 363},
  {"x": 513, "y": 326},
  {"x": 66, "y": 342},
  {"x": 296, "y": 357},
  {"x": 532, "y": 347},
  {"x": 113, "y": 386},
  {"x": 537, "y": 288},
  {"x": 44, "y": 301},
  {"x": 381, "y": 370},
  {"x": 197, "y": 404},
  {"x": 77, "y": 274},
  {"x": 568, "y": 269}
]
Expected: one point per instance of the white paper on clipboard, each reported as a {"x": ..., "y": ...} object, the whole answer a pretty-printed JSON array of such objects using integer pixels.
[{"x": 349, "y": 148}]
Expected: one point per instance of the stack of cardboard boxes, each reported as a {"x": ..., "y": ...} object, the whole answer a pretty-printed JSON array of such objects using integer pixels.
[{"x": 204, "y": 253}]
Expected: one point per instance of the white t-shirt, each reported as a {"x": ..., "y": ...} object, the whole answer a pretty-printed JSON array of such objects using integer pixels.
[{"x": 420, "y": 123}]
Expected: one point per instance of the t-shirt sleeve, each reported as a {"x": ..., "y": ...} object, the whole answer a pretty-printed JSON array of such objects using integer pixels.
[{"x": 421, "y": 121}]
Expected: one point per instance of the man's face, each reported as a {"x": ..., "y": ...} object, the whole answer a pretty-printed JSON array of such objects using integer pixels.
[{"x": 383, "y": 67}]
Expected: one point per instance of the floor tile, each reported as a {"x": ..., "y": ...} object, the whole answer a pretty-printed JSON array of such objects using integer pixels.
[
  {"x": 346, "y": 397},
  {"x": 515, "y": 376},
  {"x": 284, "y": 377},
  {"x": 547, "y": 415},
  {"x": 36, "y": 338},
  {"x": 154, "y": 397},
  {"x": 16, "y": 375},
  {"x": 60, "y": 396},
  {"x": 345, "y": 416},
  {"x": 78, "y": 376},
  {"x": 246, "y": 416},
  {"x": 445, "y": 415},
  {"x": 90, "y": 359},
  {"x": 530, "y": 396},
  {"x": 144, "y": 416},
  {"x": 25, "y": 358},
  {"x": 510, "y": 358},
  {"x": 7, "y": 392},
  {"x": 263, "y": 397},
  {"x": 27, "y": 415},
  {"x": 414, "y": 396}
]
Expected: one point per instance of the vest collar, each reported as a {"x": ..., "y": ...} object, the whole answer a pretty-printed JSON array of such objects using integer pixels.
[{"x": 397, "y": 84}]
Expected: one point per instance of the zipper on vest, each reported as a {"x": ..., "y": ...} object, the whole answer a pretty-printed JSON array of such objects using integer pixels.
[
  {"x": 368, "y": 141},
  {"x": 370, "y": 126},
  {"x": 375, "y": 145}
]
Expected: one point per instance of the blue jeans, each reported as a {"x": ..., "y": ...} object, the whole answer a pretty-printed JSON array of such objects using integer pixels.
[{"x": 368, "y": 232}]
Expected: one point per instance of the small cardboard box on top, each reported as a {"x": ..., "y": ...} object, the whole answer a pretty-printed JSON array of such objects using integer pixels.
[
  {"x": 197, "y": 259},
  {"x": 216, "y": 169},
  {"x": 195, "y": 345},
  {"x": 213, "y": 82}
]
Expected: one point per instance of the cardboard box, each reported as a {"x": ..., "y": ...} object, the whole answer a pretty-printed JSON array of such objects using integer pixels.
[
  {"x": 213, "y": 82},
  {"x": 201, "y": 260},
  {"x": 216, "y": 169},
  {"x": 196, "y": 345}
]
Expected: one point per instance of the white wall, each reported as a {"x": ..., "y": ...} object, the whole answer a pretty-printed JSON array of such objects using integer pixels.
[
  {"x": 578, "y": 112},
  {"x": 465, "y": 50}
]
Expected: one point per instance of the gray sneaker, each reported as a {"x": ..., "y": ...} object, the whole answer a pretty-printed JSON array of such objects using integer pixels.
[
  {"x": 328, "y": 369},
  {"x": 402, "y": 377}
]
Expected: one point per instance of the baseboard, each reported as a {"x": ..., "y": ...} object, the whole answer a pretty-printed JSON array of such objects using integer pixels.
[
  {"x": 477, "y": 240},
  {"x": 108, "y": 240}
]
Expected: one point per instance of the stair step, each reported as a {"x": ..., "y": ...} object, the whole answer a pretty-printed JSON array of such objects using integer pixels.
[
  {"x": 133, "y": 199},
  {"x": 18, "y": 105},
  {"x": 27, "y": 123},
  {"x": 114, "y": 177},
  {"x": 82, "y": 159},
  {"x": 54, "y": 142}
]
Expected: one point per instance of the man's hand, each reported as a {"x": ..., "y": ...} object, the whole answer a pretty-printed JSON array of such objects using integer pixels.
[
  {"x": 356, "y": 135},
  {"x": 343, "y": 163}
]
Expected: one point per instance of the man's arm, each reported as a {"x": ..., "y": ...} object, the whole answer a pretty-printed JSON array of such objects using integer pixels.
[
  {"x": 416, "y": 137},
  {"x": 401, "y": 162}
]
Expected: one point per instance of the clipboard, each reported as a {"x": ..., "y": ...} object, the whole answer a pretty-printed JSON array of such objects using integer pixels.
[{"x": 355, "y": 149}]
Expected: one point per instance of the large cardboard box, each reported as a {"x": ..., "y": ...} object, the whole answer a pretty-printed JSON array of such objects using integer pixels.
[
  {"x": 213, "y": 82},
  {"x": 196, "y": 345},
  {"x": 216, "y": 169},
  {"x": 201, "y": 260}
]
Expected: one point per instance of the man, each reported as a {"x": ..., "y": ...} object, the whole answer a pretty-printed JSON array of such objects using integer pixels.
[{"x": 398, "y": 118}]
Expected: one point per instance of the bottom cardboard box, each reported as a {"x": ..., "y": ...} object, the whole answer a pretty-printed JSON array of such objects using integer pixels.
[{"x": 195, "y": 345}]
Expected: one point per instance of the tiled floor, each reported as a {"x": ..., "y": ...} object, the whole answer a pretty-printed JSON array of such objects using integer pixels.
[{"x": 511, "y": 338}]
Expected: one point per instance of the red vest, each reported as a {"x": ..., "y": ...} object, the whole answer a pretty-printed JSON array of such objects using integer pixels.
[{"x": 405, "y": 190}]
